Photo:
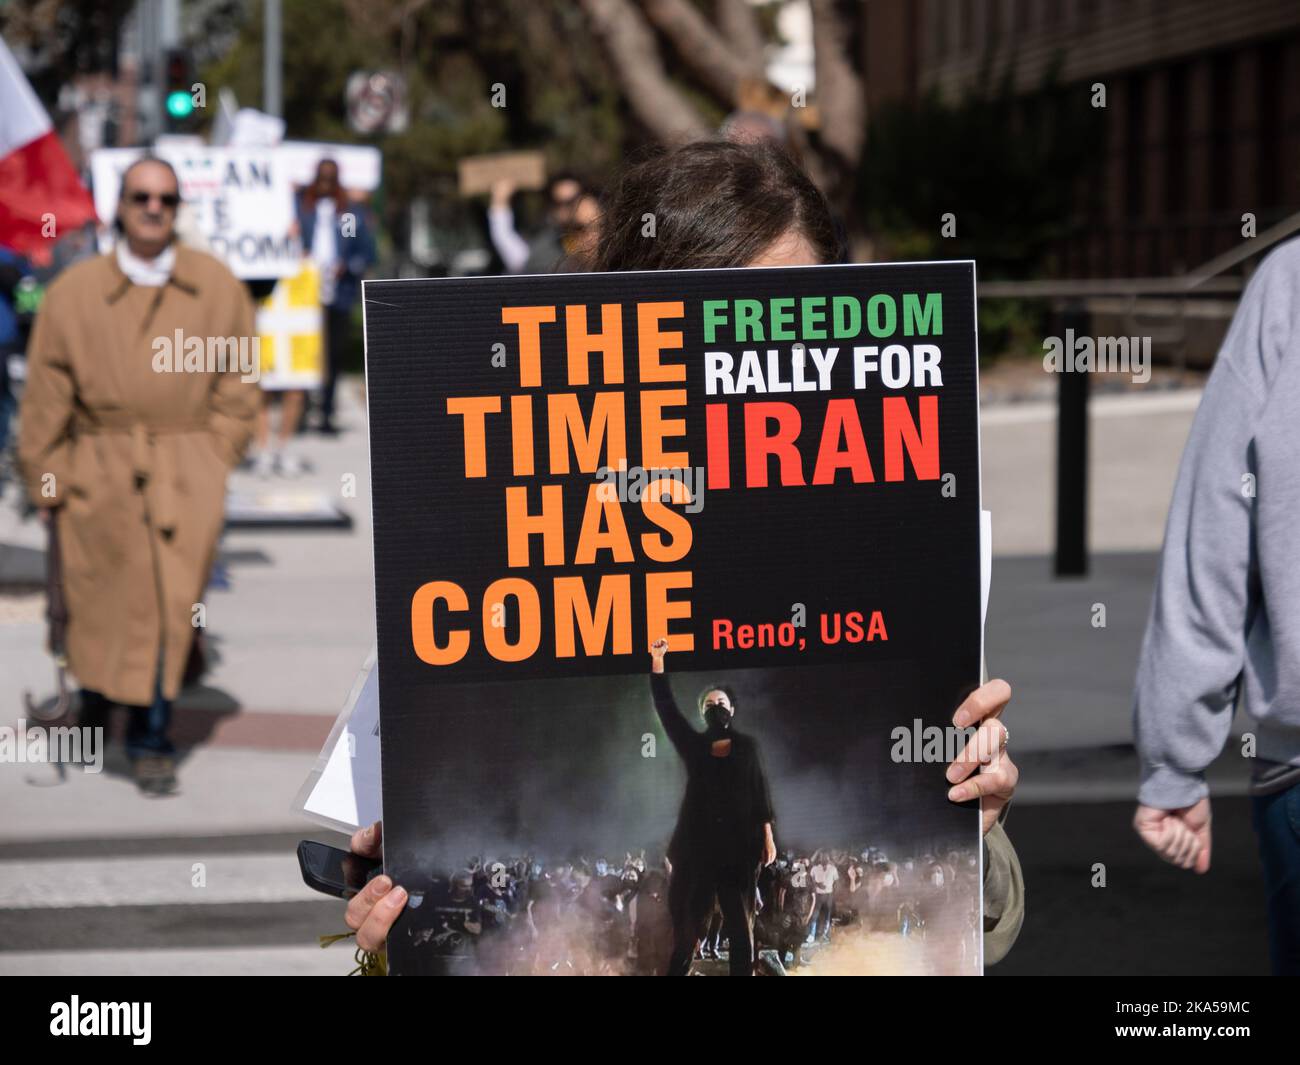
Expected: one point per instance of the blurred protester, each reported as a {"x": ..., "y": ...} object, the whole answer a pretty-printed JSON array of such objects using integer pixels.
[
  {"x": 718, "y": 205},
  {"x": 509, "y": 245},
  {"x": 337, "y": 237},
  {"x": 74, "y": 246},
  {"x": 1224, "y": 626},
  {"x": 753, "y": 127},
  {"x": 275, "y": 457},
  {"x": 22, "y": 287},
  {"x": 126, "y": 440},
  {"x": 565, "y": 242},
  {"x": 547, "y": 250},
  {"x": 583, "y": 233}
]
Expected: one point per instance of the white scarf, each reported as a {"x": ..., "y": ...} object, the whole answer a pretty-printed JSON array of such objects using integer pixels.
[{"x": 148, "y": 272}]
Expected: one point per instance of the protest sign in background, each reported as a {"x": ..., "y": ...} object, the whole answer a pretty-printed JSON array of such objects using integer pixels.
[
  {"x": 478, "y": 173},
  {"x": 360, "y": 165},
  {"x": 239, "y": 202},
  {"x": 289, "y": 325}
]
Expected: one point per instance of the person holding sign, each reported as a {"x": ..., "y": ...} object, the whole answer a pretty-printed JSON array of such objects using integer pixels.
[
  {"x": 336, "y": 235},
  {"x": 717, "y": 205},
  {"x": 564, "y": 241}
]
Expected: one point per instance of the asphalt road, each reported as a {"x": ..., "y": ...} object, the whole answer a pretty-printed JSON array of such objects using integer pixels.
[{"x": 1150, "y": 919}]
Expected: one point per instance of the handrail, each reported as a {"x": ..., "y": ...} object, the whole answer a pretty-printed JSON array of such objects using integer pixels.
[
  {"x": 1230, "y": 259},
  {"x": 1204, "y": 278},
  {"x": 1107, "y": 286}
]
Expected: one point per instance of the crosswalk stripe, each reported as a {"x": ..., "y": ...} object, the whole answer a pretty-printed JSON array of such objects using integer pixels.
[
  {"x": 242, "y": 924},
  {"x": 216, "y": 961},
  {"x": 182, "y": 879}
]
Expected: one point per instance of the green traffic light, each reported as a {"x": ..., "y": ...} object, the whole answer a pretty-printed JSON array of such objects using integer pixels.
[{"x": 180, "y": 104}]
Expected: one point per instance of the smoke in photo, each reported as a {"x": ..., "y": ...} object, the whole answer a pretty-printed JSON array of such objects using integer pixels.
[{"x": 546, "y": 809}]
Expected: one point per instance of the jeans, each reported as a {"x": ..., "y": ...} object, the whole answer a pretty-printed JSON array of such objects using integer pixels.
[
  {"x": 146, "y": 726},
  {"x": 1277, "y": 824}
]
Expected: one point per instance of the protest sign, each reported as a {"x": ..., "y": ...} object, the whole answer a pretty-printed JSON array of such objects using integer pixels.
[
  {"x": 478, "y": 173},
  {"x": 239, "y": 200},
  {"x": 776, "y": 471},
  {"x": 289, "y": 324},
  {"x": 360, "y": 165}
]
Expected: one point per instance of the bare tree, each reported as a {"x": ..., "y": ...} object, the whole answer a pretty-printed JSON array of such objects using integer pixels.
[
  {"x": 725, "y": 58},
  {"x": 657, "y": 102},
  {"x": 841, "y": 99},
  {"x": 738, "y": 25},
  {"x": 715, "y": 62}
]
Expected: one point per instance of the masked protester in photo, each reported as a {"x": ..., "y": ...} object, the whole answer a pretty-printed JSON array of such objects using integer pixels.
[
  {"x": 719, "y": 205},
  {"x": 724, "y": 828},
  {"x": 127, "y": 443},
  {"x": 337, "y": 237}
]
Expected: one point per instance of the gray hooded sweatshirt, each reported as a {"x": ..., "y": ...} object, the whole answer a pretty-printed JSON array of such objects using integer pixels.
[{"x": 1225, "y": 621}]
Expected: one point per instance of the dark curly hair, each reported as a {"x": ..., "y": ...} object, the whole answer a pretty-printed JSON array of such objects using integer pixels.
[{"x": 714, "y": 204}]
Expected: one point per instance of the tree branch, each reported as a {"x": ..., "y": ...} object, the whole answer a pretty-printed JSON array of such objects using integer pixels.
[
  {"x": 739, "y": 25},
  {"x": 635, "y": 54},
  {"x": 841, "y": 99},
  {"x": 702, "y": 48}
]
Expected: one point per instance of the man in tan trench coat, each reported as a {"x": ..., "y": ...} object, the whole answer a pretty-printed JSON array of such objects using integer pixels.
[{"x": 128, "y": 429}]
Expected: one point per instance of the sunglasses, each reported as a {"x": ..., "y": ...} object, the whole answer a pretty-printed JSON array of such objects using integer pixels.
[{"x": 167, "y": 199}]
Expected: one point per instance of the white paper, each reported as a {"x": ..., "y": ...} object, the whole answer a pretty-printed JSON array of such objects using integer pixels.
[
  {"x": 342, "y": 791},
  {"x": 986, "y": 563}
]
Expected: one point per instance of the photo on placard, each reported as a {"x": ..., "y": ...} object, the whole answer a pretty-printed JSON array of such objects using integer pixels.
[{"x": 677, "y": 589}]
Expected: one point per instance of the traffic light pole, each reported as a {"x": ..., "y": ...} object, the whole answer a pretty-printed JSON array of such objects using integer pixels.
[
  {"x": 157, "y": 33},
  {"x": 272, "y": 95}
]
